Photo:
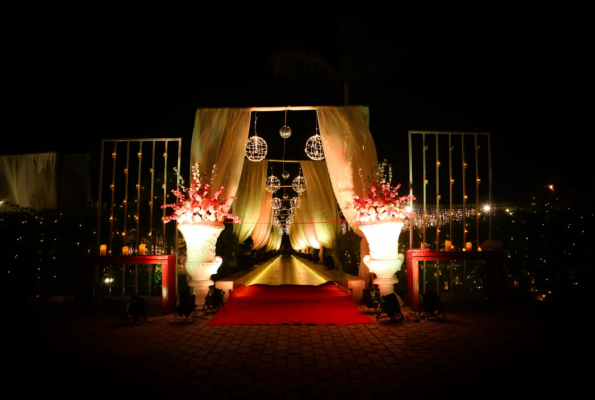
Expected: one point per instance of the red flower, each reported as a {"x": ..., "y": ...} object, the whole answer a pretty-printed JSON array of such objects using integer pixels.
[
  {"x": 194, "y": 205},
  {"x": 380, "y": 204}
]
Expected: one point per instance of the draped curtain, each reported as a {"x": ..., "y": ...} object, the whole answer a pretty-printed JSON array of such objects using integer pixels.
[
  {"x": 322, "y": 210},
  {"x": 296, "y": 238},
  {"x": 350, "y": 152},
  {"x": 262, "y": 229},
  {"x": 250, "y": 198},
  {"x": 219, "y": 138},
  {"x": 28, "y": 180},
  {"x": 304, "y": 220},
  {"x": 274, "y": 242}
]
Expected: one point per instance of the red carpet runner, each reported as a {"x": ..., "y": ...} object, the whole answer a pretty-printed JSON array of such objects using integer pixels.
[{"x": 325, "y": 304}]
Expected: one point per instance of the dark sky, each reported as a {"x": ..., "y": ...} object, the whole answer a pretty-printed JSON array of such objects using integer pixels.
[{"x": 70, "y": 84}]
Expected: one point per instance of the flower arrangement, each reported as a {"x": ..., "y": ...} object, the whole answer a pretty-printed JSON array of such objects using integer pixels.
[
  {"x": 383, "y": 201},
  {"x": 195, "y": 203}
]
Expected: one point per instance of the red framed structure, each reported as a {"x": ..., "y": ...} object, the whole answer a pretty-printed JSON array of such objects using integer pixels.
[
  {"x": 88, "y": 291},
  {"x": 495, "y": 288}
]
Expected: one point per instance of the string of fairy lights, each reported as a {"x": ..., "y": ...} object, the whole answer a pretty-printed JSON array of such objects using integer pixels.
[{"x": 545, "y": 244}]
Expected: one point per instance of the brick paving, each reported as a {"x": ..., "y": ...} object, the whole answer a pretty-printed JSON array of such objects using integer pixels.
[{"x": 522, "y": 348}]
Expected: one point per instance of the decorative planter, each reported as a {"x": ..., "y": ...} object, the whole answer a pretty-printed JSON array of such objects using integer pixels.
[
  {"x": 201, "y": 261},
  {"x": 384, "y": 259}
]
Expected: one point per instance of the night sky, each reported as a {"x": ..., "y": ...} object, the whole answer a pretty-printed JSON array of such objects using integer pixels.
[{"x": 70, "y": 84}]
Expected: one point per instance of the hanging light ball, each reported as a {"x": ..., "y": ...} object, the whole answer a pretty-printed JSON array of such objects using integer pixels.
[
  {"x": 285, "y": 132},
  {"x": 256, "y": 148},
  {"x": 276, "y": 203},
  {"x": 314, "y": 148},
  {"x": 285, "y": 174},
  {"x": 272, "y": 184},
  {"x": 285, "y": 196},
  {"x": 299, "y": 184}
]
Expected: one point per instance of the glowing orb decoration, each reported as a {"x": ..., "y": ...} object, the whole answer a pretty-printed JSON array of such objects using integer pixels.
[
  {"x": 285, "y": 132},
  {"x": 314, "y": 148},
  {"x": 256, "y": 148},
  {"x": 276, "y": 203},
  {"x": 285, "y": 174},
  {"x": 285, "y": 196},
  {"x": 299, "y": 184},
  {"x": 272, "y": 184}
]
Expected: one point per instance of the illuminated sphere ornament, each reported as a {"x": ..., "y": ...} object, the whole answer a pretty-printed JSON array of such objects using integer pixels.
[
  {"x": 285, "y": 132},
  {"x": 276, "y": 203},
  {"x": 314, "y": 148},
  {"x": 256, "y": 148},
  {"x": 285, "y": 196},
  {"x": 272, "y": 184},
  {"x": 299, "y": 184},
  {"x": 285, "y": 174}
]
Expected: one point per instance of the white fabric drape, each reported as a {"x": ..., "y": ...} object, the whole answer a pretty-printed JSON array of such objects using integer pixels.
[
  {"x": 219, "y": 138},
  {"x": 297, "y": 240},
  {"x": 322, "y": 205},
  {"x": 28, "y": 180},
  {"x": 349, "y": 151},
  {"x": 274, "y": 242},
  {"x": 322, "y": 202},
  {"x": 262, "y": 230},
  {"x": 250, "y": 196},
  {"x": 304, "y": 221}
]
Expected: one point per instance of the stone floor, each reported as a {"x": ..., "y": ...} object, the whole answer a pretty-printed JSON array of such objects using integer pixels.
[{"x": 524, "y": 348}]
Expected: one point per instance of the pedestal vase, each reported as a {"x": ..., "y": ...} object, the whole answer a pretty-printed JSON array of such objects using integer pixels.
[
  {"x": 384, "y": 259},
  {"x": 201, "y": 261}
]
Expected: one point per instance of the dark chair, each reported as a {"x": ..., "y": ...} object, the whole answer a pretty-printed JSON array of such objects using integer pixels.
[
  {"x": 214, "y": 299},
  {"x": 185, "y": 306}
]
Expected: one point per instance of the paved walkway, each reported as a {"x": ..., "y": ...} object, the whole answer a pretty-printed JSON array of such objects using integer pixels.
[{"x": 524, "y": 348}]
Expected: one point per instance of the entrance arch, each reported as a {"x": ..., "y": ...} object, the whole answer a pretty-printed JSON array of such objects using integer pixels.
[{"x": 219, "y": 138}]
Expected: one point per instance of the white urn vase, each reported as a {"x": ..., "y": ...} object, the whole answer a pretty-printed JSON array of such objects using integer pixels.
[
  {"x": 384, "y": 259},
  {"x": 201, "y": 261}
]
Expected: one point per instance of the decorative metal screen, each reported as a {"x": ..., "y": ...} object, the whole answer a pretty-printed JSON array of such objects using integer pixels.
[
  {"x": 136, "y": 177},
  {"x": 454, "y": 169}
]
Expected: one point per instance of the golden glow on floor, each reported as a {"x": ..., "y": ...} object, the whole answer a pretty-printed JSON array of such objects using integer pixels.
[{"x": 288, "y": 271}]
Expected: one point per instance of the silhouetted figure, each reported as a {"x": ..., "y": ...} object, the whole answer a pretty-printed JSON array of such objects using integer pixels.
[{"x": 329, "y": 262}]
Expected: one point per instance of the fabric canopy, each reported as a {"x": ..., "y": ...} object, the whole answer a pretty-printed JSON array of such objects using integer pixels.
[{"x": 219, "y": 138}]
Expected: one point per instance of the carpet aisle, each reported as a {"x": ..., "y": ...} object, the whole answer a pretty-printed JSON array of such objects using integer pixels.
[{"x": 288, "y": 292}]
